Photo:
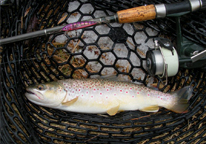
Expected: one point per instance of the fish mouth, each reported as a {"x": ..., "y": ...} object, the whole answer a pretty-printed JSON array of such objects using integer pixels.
[
  {"x": 30, "y": 92},
  {"x": 32, "y": 95},
  {"x": 37, "y": 98}
]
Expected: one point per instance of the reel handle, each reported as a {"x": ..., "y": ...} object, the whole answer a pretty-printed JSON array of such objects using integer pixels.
[{"x": 198, "y": 56}]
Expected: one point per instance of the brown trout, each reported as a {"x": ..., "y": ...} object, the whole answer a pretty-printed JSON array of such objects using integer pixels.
[{"x": 99, "y": 96}]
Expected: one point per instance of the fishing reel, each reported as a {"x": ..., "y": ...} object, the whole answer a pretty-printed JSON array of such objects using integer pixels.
[{"x": 163, "y": 59}]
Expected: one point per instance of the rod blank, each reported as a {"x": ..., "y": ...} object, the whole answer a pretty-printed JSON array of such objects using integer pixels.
[{"x": 30, "y": 35}]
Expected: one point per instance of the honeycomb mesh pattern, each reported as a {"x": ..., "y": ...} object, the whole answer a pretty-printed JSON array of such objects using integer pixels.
[{"x": 99, "y": 50}]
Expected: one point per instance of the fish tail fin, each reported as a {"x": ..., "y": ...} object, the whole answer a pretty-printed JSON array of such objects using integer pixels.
[{"x": 182, "y": 97}]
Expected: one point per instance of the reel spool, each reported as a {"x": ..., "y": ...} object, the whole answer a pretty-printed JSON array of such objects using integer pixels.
[{"x": 163, "y": 60}]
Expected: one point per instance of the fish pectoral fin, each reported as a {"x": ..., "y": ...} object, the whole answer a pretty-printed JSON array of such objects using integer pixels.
[
  {"x": 113, "y": 110},
  {"x": 69, "y": 102},
  {"x": 153, "y": 108}
]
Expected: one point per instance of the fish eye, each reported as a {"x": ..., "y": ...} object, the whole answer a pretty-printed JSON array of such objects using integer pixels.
[{"x": 40, "y": 87}]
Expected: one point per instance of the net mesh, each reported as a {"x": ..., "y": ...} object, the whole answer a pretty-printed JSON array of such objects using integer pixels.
[{"x": 99, "y": 50}]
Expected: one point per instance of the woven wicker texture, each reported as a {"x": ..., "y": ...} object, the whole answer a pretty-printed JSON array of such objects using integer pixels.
[{"x": 44, "y": 59}]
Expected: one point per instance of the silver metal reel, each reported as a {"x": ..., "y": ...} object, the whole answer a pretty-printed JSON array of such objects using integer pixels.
[{"x": 162, "y": 60}]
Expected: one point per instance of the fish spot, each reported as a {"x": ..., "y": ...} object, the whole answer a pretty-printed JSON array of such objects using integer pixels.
[
  {"x": 120, "y": 90},
  {"x": 132, "y": 96},
  {"x": 147, "y": 94},
  {"x": 161, "y": 98},
  {"x": 107, "y": 89},
  {"x": 115, "y": 94},
  {"x": 130, "y": 88},
  {"x": 126, "y": 91},
  {"x": 106, "y": 97},
  {"x": 79, "y": 89},
  {"x": 100, "y": 93},
  {"x": 91, "y": 96},
  {"x": 137, "y": 92},
  {"x": 82, "y": 95}
]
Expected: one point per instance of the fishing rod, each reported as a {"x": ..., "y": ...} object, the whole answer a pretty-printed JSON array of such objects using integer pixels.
[{"x": 141, "y": 13}]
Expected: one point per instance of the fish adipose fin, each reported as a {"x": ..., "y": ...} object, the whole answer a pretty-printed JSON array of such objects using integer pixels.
[
  {"x": 154, "y": 108},
  {"x": 113, "y": 110},
  {"x": 69, "y": 102},
  {"x": 182, "y": 97}
]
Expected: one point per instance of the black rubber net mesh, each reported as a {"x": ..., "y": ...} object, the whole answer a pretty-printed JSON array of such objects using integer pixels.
[{"x": 99, "y": 50}]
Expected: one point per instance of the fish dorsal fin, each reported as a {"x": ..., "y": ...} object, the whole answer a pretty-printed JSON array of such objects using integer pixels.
[
  {"x": 153, "y": 88},
  {"x": 108, "y": 77},
  {"x": 153, "y": 108},
  {"x": 68, "y": 102},
  {"x": 113, "y": 110},
  {"x": 112, "y": 78}
]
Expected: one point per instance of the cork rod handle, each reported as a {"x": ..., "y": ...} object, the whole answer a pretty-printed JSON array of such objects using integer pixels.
[{"x": 141, "y": 13}]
